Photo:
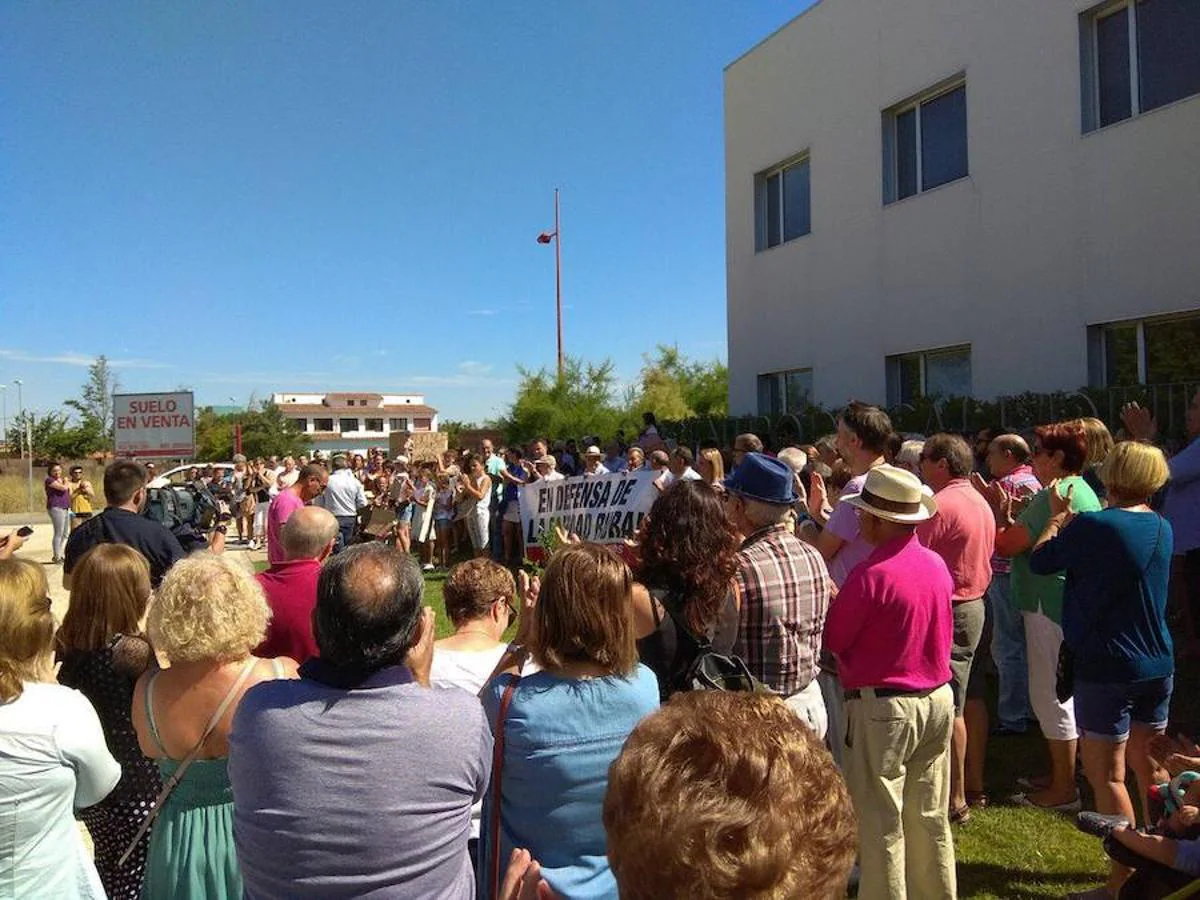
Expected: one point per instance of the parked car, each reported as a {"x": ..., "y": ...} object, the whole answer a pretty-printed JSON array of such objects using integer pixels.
[{"x": 178, "y": 475}]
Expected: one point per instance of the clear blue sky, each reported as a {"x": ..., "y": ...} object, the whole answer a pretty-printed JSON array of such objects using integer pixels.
[{"x": 254, "y": 196}]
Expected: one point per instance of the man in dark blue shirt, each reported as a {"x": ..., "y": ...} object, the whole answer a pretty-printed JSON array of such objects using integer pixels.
[{"x": 122, "y": 523}]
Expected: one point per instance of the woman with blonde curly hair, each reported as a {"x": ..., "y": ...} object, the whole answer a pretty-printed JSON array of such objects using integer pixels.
[
  {"x": 207, "y": 617},
  {"x": 53, "y": 760}
]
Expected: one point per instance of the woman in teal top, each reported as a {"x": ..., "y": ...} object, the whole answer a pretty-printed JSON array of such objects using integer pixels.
[
  {"x": 1059, "y": 455},
  {"x": 206, "y": 617},
  {"x": 1118, "y": 564},
  {"x": 561, "y": 728}
]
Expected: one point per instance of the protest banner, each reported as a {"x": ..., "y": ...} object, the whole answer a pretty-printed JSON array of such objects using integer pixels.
[
  {"x": 154, "y": 425},
  {"x": 603, "y": 509}
]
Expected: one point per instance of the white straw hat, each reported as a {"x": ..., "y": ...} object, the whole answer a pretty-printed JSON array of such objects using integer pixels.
[{"x": 895, "y": 495}]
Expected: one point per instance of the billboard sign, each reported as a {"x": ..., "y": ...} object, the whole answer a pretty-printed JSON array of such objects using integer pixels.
[{"x": 154, "y": 425}]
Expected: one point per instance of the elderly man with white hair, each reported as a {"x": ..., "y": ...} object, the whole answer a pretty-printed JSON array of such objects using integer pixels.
[{"x": 308, "y": 538}]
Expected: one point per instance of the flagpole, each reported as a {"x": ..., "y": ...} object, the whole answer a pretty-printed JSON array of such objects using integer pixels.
[{"x": 558, "y": 282}]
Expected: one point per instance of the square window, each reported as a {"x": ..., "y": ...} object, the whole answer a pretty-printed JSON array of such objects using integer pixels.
[
  {"x": 302, "y": 424},
  {"x": 782, "y": 205},
  {"x": 785, "y": 392},
  {"x": 929, "y": 373},
  {"x": 1168, "y": 49},
  {"x": 1135, "y": 56},
  {"x": 373, "y": 425},
  {"x": 925, "y": 143},
  {"x": 322, "y": 424},
  {"x": 1172, "y": 350},
  {"x": 398, "y": 424},
  {"x": 345, "y": 425}
]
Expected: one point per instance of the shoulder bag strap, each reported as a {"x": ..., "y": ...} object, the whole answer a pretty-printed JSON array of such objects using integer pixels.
[
  {"x": 497, "y": 766},
  {"x": 177, "y": 776},
  {"x": 682, "y": 628}
]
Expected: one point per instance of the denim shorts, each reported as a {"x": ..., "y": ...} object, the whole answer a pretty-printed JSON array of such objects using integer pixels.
[{"x": 1104, "y": 711}]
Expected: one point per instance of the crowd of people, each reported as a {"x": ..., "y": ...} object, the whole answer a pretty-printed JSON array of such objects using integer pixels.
[{"x": 302, "y": 732}]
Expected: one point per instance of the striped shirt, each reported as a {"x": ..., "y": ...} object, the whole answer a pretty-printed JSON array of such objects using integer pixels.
[
  {"x": 783, "y": 591},
  {"x": 1020, "y": 482}
]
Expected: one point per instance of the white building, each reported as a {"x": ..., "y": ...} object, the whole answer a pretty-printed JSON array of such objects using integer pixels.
[
  {"x": 355, "y": 421},
  {"x": 963, "y": 197}
]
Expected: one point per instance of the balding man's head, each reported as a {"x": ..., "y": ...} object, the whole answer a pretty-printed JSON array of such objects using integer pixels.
[
  {"x": 309, "y": 533},
  {"x": 1005, "y": 453},
  {"x": 368, "y": 606}
]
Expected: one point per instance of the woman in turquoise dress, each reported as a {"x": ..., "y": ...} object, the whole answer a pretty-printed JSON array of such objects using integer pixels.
[{"x": 206, "y": 619}]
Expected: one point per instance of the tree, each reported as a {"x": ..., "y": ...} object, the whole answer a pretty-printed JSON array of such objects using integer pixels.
[
  {"x": 95, "y": 403},
  {"x": 265, "y": 432},
  {"x": 580, "y": 403},
  {"x": 53, "y": 438},
  {"x": 674, "y": 387}
]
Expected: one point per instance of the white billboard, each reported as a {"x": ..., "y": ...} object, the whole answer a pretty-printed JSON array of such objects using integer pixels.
[{"x": 154, "y": 424}]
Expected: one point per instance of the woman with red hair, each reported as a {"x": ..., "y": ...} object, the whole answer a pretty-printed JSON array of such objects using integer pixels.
[{"x": 1059, "y": 455}]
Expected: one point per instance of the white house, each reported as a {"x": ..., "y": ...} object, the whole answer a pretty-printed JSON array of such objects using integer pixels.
[
  {"x": 355, "y": 421},
  {"x": 963, "y": 197}
]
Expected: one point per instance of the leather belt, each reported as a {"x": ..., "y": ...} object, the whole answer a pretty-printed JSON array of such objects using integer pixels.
[{"x": 856, "y": 694}]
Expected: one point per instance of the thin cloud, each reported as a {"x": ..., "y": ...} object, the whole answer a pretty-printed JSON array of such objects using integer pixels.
[
  {"x": 82, "y": 360},
  {"x": 473, "y": 367},
  {"x": 482, "y": 312}
]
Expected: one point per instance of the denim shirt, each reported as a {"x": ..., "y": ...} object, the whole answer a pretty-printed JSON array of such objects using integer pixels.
[{"x": 560, "y": 735}]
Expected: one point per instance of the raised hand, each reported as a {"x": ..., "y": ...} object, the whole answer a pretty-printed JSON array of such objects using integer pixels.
[
  {"x": 818, "y": 496},
  {"x": 1139, "y": 422},
  {"x": 420, "y": 658},
  {"x": 1060, "y": 504}
]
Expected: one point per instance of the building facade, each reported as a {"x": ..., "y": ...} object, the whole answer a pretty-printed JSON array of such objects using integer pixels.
[
  {"x": 355, "y": 421},
  {"x": 963, "y": 197}
]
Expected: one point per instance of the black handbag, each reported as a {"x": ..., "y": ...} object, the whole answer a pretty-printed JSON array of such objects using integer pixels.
[{"x": 1064, "y": 676}]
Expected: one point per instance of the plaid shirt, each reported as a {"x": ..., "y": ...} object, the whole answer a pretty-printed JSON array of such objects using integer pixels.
[{"x": 783, "y": 591}]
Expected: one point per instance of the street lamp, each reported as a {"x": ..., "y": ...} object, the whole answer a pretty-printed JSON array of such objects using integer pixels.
[
  {"x": 4, "y": 415},
  {"x": 544, "y": 238}
]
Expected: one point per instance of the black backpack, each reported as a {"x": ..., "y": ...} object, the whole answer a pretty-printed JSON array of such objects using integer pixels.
[{"x": 698, "y": 667}]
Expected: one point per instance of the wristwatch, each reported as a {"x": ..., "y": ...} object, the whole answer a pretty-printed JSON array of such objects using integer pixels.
[{"x": 221, "y": 529}]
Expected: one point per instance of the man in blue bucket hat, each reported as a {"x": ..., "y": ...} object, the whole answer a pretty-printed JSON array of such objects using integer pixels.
[{"x": 782, "y": 585}]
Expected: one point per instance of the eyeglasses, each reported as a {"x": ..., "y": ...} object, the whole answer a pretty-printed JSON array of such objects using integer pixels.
[{"x": 512, "y": 610}]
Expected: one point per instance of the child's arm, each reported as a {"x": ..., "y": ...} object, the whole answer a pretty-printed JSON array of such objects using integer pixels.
[{"x": 1152, "y": 846}]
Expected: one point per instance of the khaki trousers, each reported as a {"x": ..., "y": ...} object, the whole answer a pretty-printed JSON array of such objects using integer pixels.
[{"x": 898, "y": 771}]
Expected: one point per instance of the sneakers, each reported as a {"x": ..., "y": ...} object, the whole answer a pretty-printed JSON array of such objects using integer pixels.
[
  {"x": 428, "y": 567},
  {"x": 1072, "y": 806},
  {"x": 1099, "y": 825},
  {"x": 253, "y": 544}
]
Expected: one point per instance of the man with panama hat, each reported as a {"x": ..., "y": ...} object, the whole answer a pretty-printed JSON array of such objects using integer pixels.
[
  {"x": 782, "y": 586},
  {"x": 891, "y": 631}
]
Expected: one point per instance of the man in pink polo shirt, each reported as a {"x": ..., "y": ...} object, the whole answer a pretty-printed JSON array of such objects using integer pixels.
[
  {"x": 310, "y": 483},
  {"x": 891, "y": 630},
  {"x": 963, "y": 534}
]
